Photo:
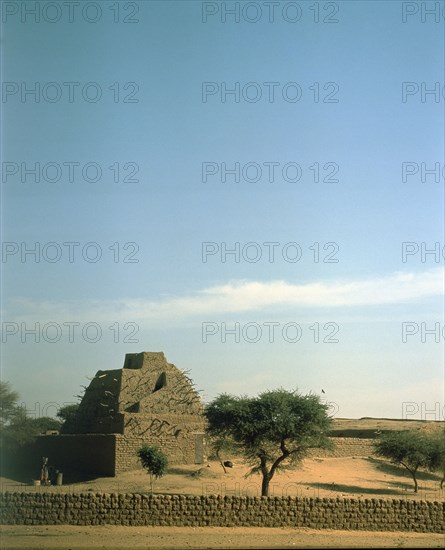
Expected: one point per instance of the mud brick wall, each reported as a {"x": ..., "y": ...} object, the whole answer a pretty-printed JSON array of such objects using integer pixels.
[
  {"x": 91, "y": 454},
  {"x": 127, "y": 447},
  {"x": 345, "y": 447},
  {"x": 199, "y": 511},
  {"x": 179, "y": 448}
]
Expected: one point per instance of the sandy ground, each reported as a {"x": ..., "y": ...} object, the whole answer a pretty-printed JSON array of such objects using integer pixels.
[
  {"x": 363, "y": 477},
  {"x": 113, "y": 538}
]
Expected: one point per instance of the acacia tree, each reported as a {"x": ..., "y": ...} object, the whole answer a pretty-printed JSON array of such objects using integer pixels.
[
  {"x": 16, "y": 428},
  {"x": 271, "y": 430},
  {"x": 154, "y": 461},
  {"x": 410, "y": 449},
  {"x": 8, "y": 404},
  {"x": 436, "y": 454}
]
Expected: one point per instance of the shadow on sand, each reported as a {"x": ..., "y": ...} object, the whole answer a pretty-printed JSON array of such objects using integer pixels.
[
  {"x": 400, "y": 471},
  {"x": 336, "y": 488}
]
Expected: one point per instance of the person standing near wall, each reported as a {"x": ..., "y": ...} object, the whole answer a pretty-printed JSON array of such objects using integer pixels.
[{"x": 44, "y": 471}]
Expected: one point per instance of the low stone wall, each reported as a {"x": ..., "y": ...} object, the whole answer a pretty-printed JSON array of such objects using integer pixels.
[
  {"x": 199, "y": 511},
  {"x": 345, "y": 447}
]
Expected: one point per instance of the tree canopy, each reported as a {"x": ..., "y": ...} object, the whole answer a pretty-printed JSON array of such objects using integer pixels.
[
  {"x": 8, "y": 404},
  {"x": 16, "y": 427},
  {"x": 275, "y": 427},
  {"x": 68, "y": 412},
  {"x": 45, "y": 423},
  {"x": 410, "y": 449},
  {"x": 436, "y": 454}
]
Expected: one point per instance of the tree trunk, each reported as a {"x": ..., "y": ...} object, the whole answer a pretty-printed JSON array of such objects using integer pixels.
[
  {"x": 265, "y": 486},
  {"x": 268, "y": 474},
  {"x": 221, "y": 462},
  {"x": 413, "y": 473}
]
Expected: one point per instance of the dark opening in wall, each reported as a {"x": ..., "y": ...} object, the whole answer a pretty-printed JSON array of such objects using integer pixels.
[
  {"x": 135, "y": 408},
  {"x": 161, "y": 382}
]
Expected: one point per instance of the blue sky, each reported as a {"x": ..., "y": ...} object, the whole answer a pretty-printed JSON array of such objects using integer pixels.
[{"x": 153, "y": 122}]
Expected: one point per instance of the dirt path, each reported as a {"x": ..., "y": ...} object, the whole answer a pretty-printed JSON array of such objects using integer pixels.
[{"x": 112, "y": 537}]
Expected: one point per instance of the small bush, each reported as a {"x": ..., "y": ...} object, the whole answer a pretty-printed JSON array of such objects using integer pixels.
[{"x": 154, "y": 461}]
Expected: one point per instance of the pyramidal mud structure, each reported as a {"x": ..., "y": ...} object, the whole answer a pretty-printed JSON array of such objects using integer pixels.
[
  {"x": 148, "y": 401},
  {"x": 147, "y": 398}
]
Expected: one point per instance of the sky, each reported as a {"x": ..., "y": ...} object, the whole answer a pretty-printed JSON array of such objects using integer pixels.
[{"x": 254, "y": 188}]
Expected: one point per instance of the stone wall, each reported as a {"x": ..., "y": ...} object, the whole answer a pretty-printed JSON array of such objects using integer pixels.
[
  {"x": 345, "y": 447},
  {"x": 198, "y": 511},
  {"x": 174, "y": 434},
  {"x": 81, "y": 455},
  {"x": 178, "y": 450}
]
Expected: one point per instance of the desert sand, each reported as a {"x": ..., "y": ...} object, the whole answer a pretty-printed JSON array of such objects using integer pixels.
[
  {"x": 357, "y": 477},
  {"x": 111, "y": 537}
]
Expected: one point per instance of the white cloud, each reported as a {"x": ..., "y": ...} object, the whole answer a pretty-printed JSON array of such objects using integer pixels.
[{"x": 248, "y": 296}]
